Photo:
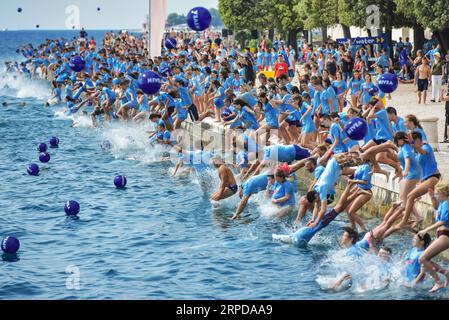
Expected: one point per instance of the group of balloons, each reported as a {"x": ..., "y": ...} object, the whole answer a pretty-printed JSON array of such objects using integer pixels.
[{"x": 44, "y": 156}]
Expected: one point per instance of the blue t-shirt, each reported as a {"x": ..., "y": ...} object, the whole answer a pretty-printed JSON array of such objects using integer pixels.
[
  {"x": 280, "y": 153},
  {"x": 355, "y": 85},
  {"x": 413, "y": 267},
  {"x": 363, "y": 173},
  {"x": 427, "y": 162},
  {"x": 399, "y": 126},
  {"x": 383, "y": 131},
  {"x": 271, "y": 115},
  {"x": 185, "y": 96},
  {"x": 335, "y": 132},
  {"x": 339, "y": 86},
  {"x": 443, "y": 213},
  {"x": 255, "y": 184},
  {"x": 406, "y": 152},
  {"x": 328, "y": 179},
  {"x": 280, "y": 190}
]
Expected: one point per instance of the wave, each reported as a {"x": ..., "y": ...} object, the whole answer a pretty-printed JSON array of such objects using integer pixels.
[{"x": 17, "y": 86}]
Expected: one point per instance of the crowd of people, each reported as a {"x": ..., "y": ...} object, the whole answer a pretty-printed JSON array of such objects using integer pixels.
[{"x": 280, "y": 124}]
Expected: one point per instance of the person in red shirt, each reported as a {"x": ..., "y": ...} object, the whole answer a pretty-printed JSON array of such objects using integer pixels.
[{"x": 280, "y": 67}]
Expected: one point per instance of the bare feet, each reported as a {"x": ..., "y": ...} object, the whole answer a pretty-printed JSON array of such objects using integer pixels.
[{"x": 437, "y": 287}]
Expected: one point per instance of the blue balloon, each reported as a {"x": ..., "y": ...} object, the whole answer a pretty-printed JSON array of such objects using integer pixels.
[
  {"x": 44, "y": 157},
  {"x": 42, "y": 147},
  {"x": 120, "y": 182},
  {"x": 165, "y": 71},
  {"x": 149, "y": 82},
  {"x": 98, "y": 9},
  {"x": 10, "y": 245},
  {"x": 33, "y": 169},
  {"x": 54, "y": 142},
  {"x": 72, "y": 208},
  {"x": 19, "y": 10},
  {"x": 226, "y": 113},
  {"x": 106, "y": 145},
  {"x": 356, "y": 129},
  {"x": 388, "y": 82},
  {"x": 199, "y": 19},
  {"x": 77, "y": 64},
  {"x": 170, "y": 43},
  {"x": 373, "y": 91}
]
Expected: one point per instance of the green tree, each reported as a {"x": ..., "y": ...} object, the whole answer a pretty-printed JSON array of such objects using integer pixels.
[
  {"x": 242, "y": 14},
  {"x": 434, "y": 15},
  {"x": 174, "y": 19}
]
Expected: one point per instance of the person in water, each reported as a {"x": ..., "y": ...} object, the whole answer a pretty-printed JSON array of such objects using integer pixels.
[
  {"x": 303, "y": 236},
  {"x": 228, "y": 186}
]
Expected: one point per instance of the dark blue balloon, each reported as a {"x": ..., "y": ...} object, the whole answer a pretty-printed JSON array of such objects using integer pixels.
[
  {"x": 54, "y": 142},
  {"x": 106, "y": 145},
  {"x": 44, "y": 157},
  {"x": 388, "y": 82},
  {"x": 42, "y": 147},
  {"x": 120, "y": 182},
  {"x": 356, "y": 129},
  {"x": 226, "y": 113},
  {"x": 199, "y": 18},
  {"x": 19, "y": 10},
  {"x": 72, "y": 208},
  {"x": 170, "y": 43},
  {"x": 98, "y": 9},
  {"x": 373, "y": 91},
  {"x": 165, "y": 71},
  {"x": 33, "y": 169},
  {"x": 149, "y": 82},
  {"x": 10, "y": 245},
  {"x": 77, "y": 64}
]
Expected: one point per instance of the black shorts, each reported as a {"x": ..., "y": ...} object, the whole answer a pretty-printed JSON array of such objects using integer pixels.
[
  {"x": 301, "y": 153},
  {"x": 423, "y": 85},
  {"x": 294, "y": 123},
  {"x": 98, "y": 112},
  {"x": 171, "y": 110},
  {"x": 379, "y": 141},
  {"x": 193, "y": 113},
  {"x": 437, "y": 175}
]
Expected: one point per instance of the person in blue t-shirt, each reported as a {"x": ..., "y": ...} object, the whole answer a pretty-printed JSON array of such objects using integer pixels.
[
  {"x": 335, "y": 133},
  {"x": 397, "y": 123},
  {"x": 366, "y": 87},
  {"x": 412, "y": 270},
  {"x": 440, "y": 201},
  {"x": 250, "y": 187},
  {"x": 283, "y": 194},
  {"x": 355, "y": 87},
  {"x": 341, "y": 89}
]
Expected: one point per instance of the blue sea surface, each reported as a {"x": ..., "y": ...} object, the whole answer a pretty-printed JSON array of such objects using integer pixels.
[{"x": 157, "y": 239}]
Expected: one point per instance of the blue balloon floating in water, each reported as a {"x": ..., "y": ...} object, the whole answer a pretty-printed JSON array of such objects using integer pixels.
[
  {"x": 170, "y": 43},
  {"x": 77, "y": 64},
  {"x": 44, "y": 157},
  {"x": 33, "y": 169},
  {"x": 42, "y": 147},
  {"x": 10, "y": 245},
  {"x": 106, "y": 145},
  {"x": 120, "y": 182},
  {"x": 199, "y": 19},
  {"x": 388, "y": 82},
  {"x": 98, "y": 9},
  {"x": 356, "y": 129},
  {"x": 54, "y": 142},
  {"x": 19, "y": 10},
  {"x": 72, "y": 208},
  {"x": 149, "y": 82}
]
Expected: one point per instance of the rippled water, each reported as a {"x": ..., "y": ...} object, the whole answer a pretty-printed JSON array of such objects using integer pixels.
[{"x": 158, "y": 239}]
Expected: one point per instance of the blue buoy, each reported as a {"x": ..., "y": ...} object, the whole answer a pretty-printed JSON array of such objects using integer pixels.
[
  {"x": 19, "y": 10},
  {"x": 44, "y": 157},
  {"x": 33, "y": 169},
  {"x": 106, "y": 145},
  {"x": 72, "y": 208},
  {"x": 120, "y": 182},
  {"x": 10, "y": 245},
  {"x": 98, "y": 9},
  {"x": 54, "y": 142},
  {"x": 42, "y": 147}
]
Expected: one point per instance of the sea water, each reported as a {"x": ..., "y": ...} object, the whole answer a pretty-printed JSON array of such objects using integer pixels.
[{"x": 160, "y": 238}]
